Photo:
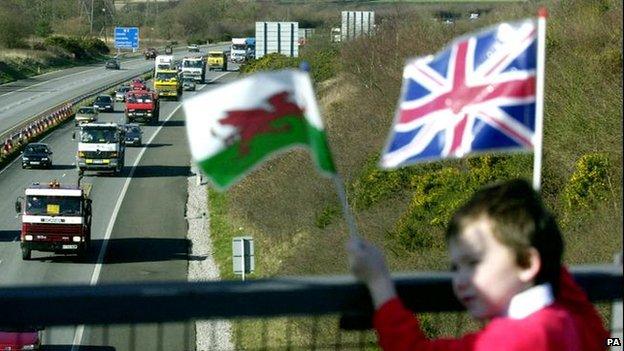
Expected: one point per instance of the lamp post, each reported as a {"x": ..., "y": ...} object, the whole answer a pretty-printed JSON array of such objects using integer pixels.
[{"x": 104, "y": 25}]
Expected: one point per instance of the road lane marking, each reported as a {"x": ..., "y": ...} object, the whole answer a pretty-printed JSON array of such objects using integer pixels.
[{"x": 109, "y": 229}]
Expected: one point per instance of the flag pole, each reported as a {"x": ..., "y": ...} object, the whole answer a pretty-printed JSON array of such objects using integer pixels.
[
  {"x": 346, "y": 210},
  {"x": 542, "y": 13}
]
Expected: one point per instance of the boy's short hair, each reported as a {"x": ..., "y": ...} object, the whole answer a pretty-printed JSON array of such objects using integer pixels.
[{"x": 519, "y": 221}]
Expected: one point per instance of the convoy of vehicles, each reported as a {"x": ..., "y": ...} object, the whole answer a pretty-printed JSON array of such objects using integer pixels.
[
  {"x": 217, "y": 60},
  {"x": 194, "y": 68},
  {"x": 167, "y": 83},
  {"x": 101, "y": 148},
  {"x": 104, "y": 103},
  {"x": 37, "y": 155},
  {"x": 86, "y": 114},
  {"x": 142, "y": 105},
  {"x": 55, "y": 218}
]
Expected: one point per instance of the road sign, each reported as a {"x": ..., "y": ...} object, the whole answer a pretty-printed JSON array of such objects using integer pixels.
[
  {"x": 243, "y": 255},
  {"x": 126, "y": 37}
]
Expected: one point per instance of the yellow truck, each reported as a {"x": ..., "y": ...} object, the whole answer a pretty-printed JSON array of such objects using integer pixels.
[
  {"x": 168, "y": 84},
  {"x": 217, "y": 60}
]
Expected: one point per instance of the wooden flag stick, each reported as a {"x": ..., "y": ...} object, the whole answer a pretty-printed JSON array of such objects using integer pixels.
[{"x": 346, "y": 210}]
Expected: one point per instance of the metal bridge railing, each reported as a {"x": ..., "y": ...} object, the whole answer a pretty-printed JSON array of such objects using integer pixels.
[{"x": 303, "y": 296}]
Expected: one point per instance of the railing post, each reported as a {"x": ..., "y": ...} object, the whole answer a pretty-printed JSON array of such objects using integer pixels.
[{"x": 616, "y": 312}]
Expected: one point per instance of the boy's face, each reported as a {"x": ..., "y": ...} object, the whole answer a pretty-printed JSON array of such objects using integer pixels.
[{"x": 486, "y": 275}]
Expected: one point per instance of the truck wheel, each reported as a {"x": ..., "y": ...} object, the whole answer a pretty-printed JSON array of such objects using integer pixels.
[{"x": 25, "y": 253}]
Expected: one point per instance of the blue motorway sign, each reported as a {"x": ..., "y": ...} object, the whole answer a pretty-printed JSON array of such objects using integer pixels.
[{"x": 126, "y": 37}]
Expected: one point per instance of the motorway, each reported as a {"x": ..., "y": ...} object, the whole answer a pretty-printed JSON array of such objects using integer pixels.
[{"x": 138, "y": 229}]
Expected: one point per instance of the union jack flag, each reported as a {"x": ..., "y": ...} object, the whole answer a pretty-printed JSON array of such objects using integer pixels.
[{"x": 477, "y": 94}]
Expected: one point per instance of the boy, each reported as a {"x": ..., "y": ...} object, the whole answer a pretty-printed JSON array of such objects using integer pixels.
[{"x": 505, "y": 250}]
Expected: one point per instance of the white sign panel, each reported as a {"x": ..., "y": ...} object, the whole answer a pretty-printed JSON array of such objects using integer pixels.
[
  {"x": 357, "y": 23},
  {"x": 277, "y": 37},
  {"x": 243, "y": 255}
]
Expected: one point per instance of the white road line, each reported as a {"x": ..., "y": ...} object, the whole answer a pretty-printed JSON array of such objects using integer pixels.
[{"x": 109, "y": 229}]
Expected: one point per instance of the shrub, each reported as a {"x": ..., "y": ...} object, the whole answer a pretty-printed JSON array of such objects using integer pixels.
[
  {"x": 269, "y": 62},
  {"x": 326, "y": 216},
  {"x": 69, "y": 44},
  {"x": 77, "y": 47},
  {"x": 438, "y": 193},
  {"x": 94, "y": 46},
  {"x": 588, "y": 183},
  {"x": 374, "y": 184}
]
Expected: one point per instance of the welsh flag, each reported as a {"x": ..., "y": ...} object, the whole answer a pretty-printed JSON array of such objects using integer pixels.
[{"x": 233, "y": 128}]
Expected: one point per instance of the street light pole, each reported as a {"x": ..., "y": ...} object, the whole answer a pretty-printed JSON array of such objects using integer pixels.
[
  {"x": 104, "y": 25},
  {"x": 91, "y": 30}
]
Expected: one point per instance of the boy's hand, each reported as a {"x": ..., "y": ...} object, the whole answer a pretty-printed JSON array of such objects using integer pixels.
[{"x": 368, "y": 265}]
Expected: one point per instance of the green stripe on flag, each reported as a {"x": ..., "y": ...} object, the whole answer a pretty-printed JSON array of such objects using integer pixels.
[{"x": 226, "y": 166}]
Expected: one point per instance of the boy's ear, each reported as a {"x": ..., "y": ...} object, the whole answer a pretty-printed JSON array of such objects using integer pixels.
[{"x": 529, "y": 273}]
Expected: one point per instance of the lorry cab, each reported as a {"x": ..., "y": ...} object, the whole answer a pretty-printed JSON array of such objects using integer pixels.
[
  {"x": 217, "y": 60},
  {"x": 55, "y": 218},
  {"x": 101, "y": 147},
  {"x": 168, "y": 84}
]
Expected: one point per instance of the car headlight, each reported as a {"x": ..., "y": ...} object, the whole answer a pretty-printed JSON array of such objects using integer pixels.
[
  {"x": 28, "y": 237},
  {"x": 81, "y": 154},
  {"x": 76, "y": 239},
  {"x": 30, "y": 347},
  {"x": 44, "y": 159},
  {"x": 24, "y": 158},
  {"x": 113, "y": 154}
]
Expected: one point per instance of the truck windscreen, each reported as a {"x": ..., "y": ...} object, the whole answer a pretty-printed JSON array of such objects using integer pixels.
[
  {"x": 98, "y": 135},
  {"x": 192, "y": 64},
  {"x": 52, "y": 205},
  {"x": 166, "y": 76}
]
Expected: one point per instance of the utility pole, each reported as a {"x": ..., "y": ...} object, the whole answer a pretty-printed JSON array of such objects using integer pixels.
[{"x": 91, "y": 30}]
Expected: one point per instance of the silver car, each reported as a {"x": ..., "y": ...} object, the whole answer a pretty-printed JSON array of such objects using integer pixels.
[{"x": 120, "y": 94}]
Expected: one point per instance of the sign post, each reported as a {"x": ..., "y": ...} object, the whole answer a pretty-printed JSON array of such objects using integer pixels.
[
  {"x": 243, "y": 255},
  {"x": 127, "y": 38}
]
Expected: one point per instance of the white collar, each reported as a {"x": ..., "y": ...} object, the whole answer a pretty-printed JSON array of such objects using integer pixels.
[{"x": 529, "y": 301}]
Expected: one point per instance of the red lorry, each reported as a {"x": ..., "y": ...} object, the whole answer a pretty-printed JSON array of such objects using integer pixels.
[
  {"x": 142, "y": 106},
  {"x": 55, "y": 218}
]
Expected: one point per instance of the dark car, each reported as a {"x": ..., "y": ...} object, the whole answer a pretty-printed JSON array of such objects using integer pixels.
[
  {"x": 134, "y": 134},
  {"x": 113, "y": 64},
  {"x": 104, "y": 103},
  {"x": 20, "y": 338},
  {"x": 37, "y": 154}
]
